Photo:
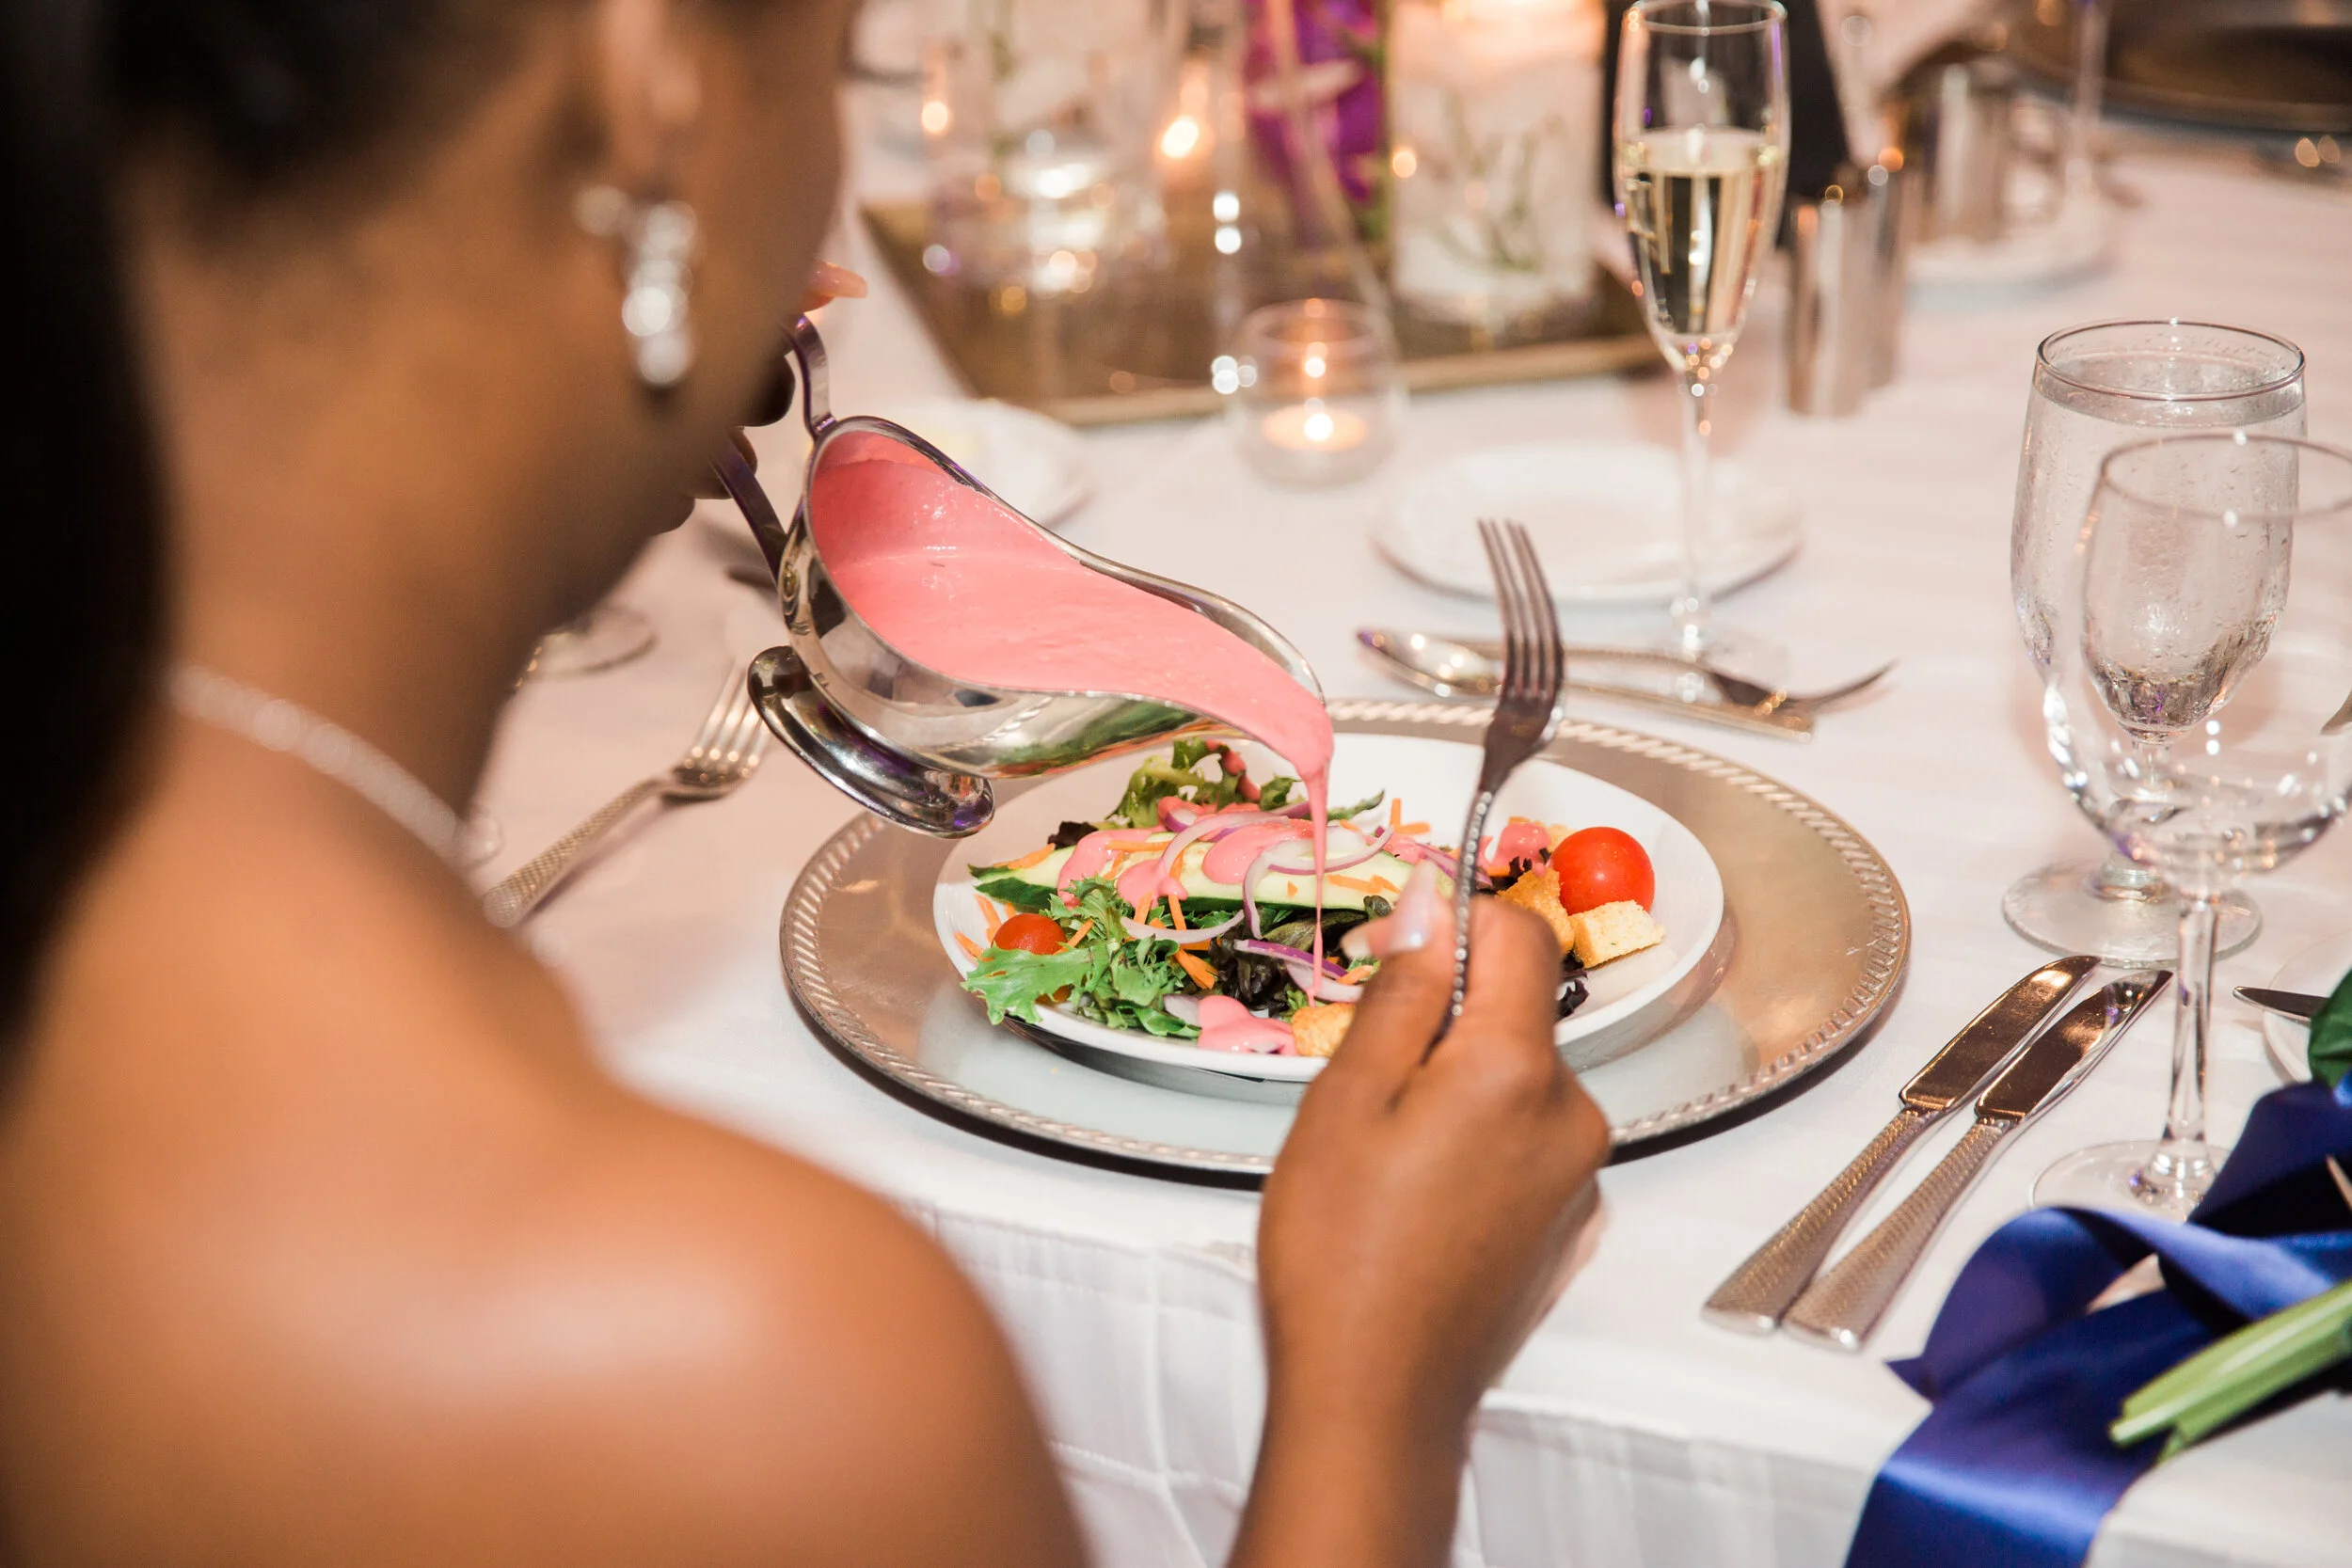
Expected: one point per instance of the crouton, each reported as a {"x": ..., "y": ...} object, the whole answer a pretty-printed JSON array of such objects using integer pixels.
[
  {"x": 1318, "y": 1027},
  {"x": 1538, "y": 892},
  {"x": 1612, "y": 931}
]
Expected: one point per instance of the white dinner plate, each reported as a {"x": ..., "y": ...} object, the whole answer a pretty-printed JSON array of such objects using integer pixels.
[
  {"x": 1605, "y": 516},
  {"x": 2316, "y": 970},
  {"x": 1434, "y": 778}
]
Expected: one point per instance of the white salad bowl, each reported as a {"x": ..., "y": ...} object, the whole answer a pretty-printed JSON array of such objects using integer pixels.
[{"x": 1434, "y": 778}]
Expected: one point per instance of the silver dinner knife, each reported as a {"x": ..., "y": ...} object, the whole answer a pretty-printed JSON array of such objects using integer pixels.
[
  {"x": 1845, "y": 1304},
  {"x": 2300, "y": 1005},
  {"x": 1758, "y": 1293}
]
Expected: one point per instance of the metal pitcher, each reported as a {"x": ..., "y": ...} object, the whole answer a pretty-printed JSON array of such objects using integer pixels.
[{"x": 911, "y": 744}]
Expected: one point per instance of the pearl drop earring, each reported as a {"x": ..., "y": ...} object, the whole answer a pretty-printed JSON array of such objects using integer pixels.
[{"x": 658, "y": 243}]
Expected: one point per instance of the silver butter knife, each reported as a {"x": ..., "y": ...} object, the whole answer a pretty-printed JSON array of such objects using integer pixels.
[
  {"x": 1759, "y": 1293},
  {"x": 1845, "y": 1304},
  {"x": 2300, "y": 1006}
]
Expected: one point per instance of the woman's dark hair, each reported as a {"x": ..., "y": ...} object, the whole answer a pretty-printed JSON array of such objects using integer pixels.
[
  {"x": 255, "y": 96},
  {"x": 77, "y": 480}
]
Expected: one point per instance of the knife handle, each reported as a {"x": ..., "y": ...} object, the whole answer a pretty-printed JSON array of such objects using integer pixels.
[
  {"x": 1843, "y": 1305},
  {"x": 1759, "y": 1293}
]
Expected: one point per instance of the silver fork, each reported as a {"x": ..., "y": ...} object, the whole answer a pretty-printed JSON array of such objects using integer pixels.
[
  {"x": 1527, "y": 705},
  {"x": 726, "y": 751}
]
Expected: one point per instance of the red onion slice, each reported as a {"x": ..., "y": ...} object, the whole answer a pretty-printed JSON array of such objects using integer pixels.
[
  {"x": 1208, "y": 823},
  {"x": 1199, "y": 936},
  {"x": 1321, "y": 990},
  {"x": 1184, "y": 1009},
  {"x": 1298, "y": 956},
  {"x": 1329, "y": 865}
]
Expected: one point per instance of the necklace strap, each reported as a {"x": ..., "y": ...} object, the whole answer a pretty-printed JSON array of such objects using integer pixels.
[{"x": 229, "y": 704}]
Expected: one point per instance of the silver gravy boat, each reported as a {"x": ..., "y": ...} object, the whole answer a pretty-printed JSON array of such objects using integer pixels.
[{"x": 913, "y": 745}]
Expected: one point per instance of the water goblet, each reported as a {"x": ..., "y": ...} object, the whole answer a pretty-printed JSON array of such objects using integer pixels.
[
  {"x": 1701, "y": 164},
  {"x": 2095, "y": 388},
  {"x": 2200, "y": 708}
]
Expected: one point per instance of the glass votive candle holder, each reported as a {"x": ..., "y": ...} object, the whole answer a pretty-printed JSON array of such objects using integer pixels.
[{"x": 1313, "y": 390}]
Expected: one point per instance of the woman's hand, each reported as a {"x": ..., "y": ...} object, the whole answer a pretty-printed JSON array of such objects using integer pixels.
[{"x": 1413, "y": 1234}]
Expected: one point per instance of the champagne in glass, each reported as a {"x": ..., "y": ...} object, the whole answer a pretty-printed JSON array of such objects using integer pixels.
[
  {"x": 1702, "y": 158},
  {"x": 1698, "y": 203}
]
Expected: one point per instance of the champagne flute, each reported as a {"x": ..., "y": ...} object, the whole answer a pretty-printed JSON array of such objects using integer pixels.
[
  {"x": 1701, "y": 163},
  {"x": 2096, "y": 388},
  {"x": 2199, "y": 710}
]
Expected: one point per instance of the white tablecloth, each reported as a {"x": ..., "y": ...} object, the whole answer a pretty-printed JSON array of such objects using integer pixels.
[{"x": 1629, "y": 1433}]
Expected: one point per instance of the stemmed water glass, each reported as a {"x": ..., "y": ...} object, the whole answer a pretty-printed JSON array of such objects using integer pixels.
[
  {"x": 2096, "y": 388},
  {"x": 1701, "y": 161},
  {"x": 2200, "y": 708}
]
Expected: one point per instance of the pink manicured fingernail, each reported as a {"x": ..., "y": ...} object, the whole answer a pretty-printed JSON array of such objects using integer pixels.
[{"x": 840, "y": 282}]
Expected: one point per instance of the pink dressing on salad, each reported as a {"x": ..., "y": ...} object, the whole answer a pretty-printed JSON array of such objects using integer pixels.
[
  {"x": 1227, "y": 1025},
  {"x": 954, "y": 580},
  {"x": 1091, "y": 855},
  {"x": 1141, "y": 886},
  {"x": 1228, "y": 860},
  {"x": 1520, "y": 841}
]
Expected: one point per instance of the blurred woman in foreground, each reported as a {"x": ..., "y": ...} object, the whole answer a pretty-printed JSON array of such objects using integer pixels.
[{"x": 324, "y": 1239}]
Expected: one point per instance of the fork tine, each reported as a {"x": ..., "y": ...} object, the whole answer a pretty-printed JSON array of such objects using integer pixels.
[
  {"x": 1506, "y": 603},
  {"x": 737, "y": 706},
  {"x": 1551, "y": 670},
  {"x": 745, "y": 739},
  {"x": 1528, "y": 680},
  {"x": 713, "y": 720}
]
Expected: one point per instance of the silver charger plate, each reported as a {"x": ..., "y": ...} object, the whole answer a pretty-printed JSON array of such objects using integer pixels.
[{"x": 1816, "y": 936}]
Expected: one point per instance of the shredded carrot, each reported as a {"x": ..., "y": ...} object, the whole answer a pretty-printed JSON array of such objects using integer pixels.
[
  {"x": 1176, "y": 911},
  {"x": 987, "y": 914},
  {"x": 1290, "y": 888},
  {"x": 1410, "y": 827},
  {"x": 1080, "y": 934},
  {"x": 1359, "y": 975},
  {"x": 971, "y": 948},
  {"x": 1382, "y": 885},
  {"x": 1396, "y": 813},
  {"x": 1356, "y": 884},
  {"x": 1202, "y": 974},
  {"x": 1032, "y": 858}
]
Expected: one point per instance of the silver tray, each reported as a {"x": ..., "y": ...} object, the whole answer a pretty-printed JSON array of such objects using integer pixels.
[{"x": 1816, "y": 938}]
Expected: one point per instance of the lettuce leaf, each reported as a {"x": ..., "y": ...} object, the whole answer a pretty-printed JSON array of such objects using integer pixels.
[
  {"x": 2332, "y": 1036},
  {"x": 1014, "y": 982},
  {"x": 1182, "y": 774},
  {"x": 1025, "y": 896},
  {"x": 1112, "y": 981}
]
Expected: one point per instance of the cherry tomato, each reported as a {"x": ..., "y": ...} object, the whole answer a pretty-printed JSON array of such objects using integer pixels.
[
  {"x": 1028, "y": 933},
  {"x": 1602, "y": 865}
]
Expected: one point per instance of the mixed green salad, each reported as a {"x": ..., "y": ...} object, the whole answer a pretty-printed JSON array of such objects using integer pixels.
[{"x": 1197, "y": 892}]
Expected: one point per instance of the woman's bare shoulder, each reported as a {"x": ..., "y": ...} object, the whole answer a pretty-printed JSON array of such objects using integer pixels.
[
  {"x": 735, "y": 1345},
  {"x": 319, "y": 1222}
]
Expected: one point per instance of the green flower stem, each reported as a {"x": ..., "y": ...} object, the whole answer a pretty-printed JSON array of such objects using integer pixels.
[{"x": 2233, "y": 1375}]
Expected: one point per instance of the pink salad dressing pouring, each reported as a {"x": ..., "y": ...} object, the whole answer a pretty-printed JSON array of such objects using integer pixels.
[{"x": 954, "y": 580}]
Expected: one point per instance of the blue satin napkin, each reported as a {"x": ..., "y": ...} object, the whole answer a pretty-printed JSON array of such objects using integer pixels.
[{"x": 2014, "y": 1467}]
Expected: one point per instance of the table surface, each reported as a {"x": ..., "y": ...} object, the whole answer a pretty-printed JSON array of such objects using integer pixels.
[{"x": 1628, "y": 1432}]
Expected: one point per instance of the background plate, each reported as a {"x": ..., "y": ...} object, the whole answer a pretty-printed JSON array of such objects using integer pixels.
[
  {"x": 2317, "y": 970},
  {"x": 1605, "y": 516},
  {"x": 1434, "y": 778},
  {"x": 1822, "y": 938}
]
